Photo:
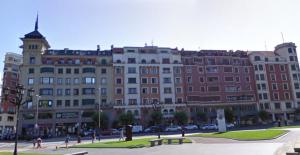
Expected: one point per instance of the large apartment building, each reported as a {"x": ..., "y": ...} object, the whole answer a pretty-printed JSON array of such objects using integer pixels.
[
  {"x": 144, "y": 77},
  {"x": 70, "y": 84},
  {"x": 11, "y": 73},
  {"x": 277, "y": 77},
  {"x": 219, "y": 79}
]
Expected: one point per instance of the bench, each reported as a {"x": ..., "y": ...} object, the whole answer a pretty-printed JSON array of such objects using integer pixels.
[
  {"x": 78, "y": 153},
  {"x": 152, "y": 142},
  {"x": 180, "y": 139},
  {"x": 292, "y": 153},
  {"x": 297, "y": 146}
]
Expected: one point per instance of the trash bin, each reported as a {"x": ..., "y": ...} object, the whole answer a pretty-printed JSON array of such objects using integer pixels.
[{"x": 128, "y": 131}]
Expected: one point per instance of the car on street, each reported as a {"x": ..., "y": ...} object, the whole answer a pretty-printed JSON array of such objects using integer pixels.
[
  {"x": 115, "y": 131},
  {"x": 209, "y": 127},
  {"x": 173, "y": 128},
  {"x": 191, "y": 127},
  {"x": 230, "y": 125},
  {"x": 152, "y": 129},
  {"x": 88, "y": 132}
]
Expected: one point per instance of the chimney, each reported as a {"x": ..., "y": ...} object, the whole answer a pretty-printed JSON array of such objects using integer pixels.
[{"x": 98, "y": 47}]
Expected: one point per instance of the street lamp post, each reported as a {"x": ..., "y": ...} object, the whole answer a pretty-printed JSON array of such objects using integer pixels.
[
  {"x": 158, "y": 129},
  {"x": 37, "y": 115},
  {"x": 99, "y": 111},
  {"x": 19, "y": 92}
]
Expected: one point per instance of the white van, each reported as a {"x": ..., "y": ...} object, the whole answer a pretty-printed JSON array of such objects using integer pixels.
[{"x": 137, "y": 128}]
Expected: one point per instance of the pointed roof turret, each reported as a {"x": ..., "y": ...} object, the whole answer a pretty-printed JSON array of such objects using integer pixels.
[
  {"x": 36, "y": 27},
  {"x": 35, "y": 34}
]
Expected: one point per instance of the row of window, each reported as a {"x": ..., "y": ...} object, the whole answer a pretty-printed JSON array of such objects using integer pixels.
[
  {"x": 63, "y": 103},
  {"x": 60, "y": 92},
  {"x": 217, "y": 79},
  {"x": 152, "y": 61},
  {"x": 67, "y": 81},
  {"x": 288, "y": 105},
  {"x": 215, "y": 69},
  {"x": 261, "y": 77},
  {"x": 72, "y": 61},
  {"x": 67, "y": 70}
]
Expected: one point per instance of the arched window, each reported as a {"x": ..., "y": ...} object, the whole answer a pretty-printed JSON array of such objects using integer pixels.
[
  {"x": 257, "y": 58},
  {"x": 153, "y": 61},
  {"x": 171, "y": 111},
  {"x": 143, "y": 61},
  {"x": 136, "y": 112},
  {"x": 165, "y": 111}
]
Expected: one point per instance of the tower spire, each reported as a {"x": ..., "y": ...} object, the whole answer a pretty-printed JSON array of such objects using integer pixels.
[{"x": 36, "y": 27}]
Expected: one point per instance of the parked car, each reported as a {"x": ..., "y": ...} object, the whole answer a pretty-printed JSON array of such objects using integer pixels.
[
  {"x": 230, "y": 125},
  {"x": 209, "y": 127},
  {"x": 191, "y": 127},
  {"x": 137, "y": 128},
  {"x": 115, "y": 131},
  {"x": 152, "y": 129},
  {"x": 88, "y": 132},
  {"x": 173, "y": 128}
]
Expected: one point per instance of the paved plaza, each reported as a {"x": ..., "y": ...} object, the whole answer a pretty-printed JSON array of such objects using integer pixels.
[{"x": 200, "y": 145}]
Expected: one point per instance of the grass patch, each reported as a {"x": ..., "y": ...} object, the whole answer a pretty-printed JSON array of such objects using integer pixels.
[
  {"x": 244, "y": 135},
  {"x": 11, "y": 153},
  {"x": 135, "y": 143},
  {"x": 285, "y": 127}
]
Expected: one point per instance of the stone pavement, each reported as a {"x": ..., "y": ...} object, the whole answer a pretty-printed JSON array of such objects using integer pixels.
[{"x": 199, "y": 149}]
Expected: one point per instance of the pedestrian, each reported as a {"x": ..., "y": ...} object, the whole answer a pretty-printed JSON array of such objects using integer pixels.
[
  {"x": 34, "y": 142},
  {"x": 39, "y": 142},
  {"x": 121, "y": 134},
  {"x": 93, "y": 137},
  {"x": 67, "y": 140}
]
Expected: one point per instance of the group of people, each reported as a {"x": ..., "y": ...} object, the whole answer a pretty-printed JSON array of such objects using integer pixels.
[{"x": 38, "y": 142}]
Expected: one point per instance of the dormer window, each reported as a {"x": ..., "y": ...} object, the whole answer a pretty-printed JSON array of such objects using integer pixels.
[
  {"x": 143, "y": 61},
  {"x": 257, "y": 58},
  {"x": 33, "y": 46}
]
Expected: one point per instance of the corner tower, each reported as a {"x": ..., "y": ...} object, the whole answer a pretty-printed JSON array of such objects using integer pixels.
[{"x": 34, "y": 44}]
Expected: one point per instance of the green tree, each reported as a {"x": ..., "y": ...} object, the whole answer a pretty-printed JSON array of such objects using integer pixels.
[
  {"x": 180, "y": 117},
  {"x": 263, "y": 115},
  {"x": 103, "y": 120},
  {"x": 229, "y": 116},
  {"x": 201, "y": 116},
  {"x": 126, "y": 118},
  {"x": 156, "y": 117}
]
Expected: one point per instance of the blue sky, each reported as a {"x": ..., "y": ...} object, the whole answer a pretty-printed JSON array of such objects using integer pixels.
[{"x": 189, "y": 24}]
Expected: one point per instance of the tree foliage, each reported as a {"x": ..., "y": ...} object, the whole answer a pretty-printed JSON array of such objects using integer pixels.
[
  {"x": 103, "y": 120},
  {"x": 229, "y": 116},
  {"x": 201, "y": 116},
  {"x": 126, "y": 118},
  {"x": 181, "y": 118},
  {"x": 263, "y": 115},
  {"x": 156, "y": 117}
]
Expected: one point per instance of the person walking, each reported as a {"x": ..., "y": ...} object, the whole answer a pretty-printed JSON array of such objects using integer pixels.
[
  {"x": 39, "y": 143},
  {"x": 67, "y": 141},
  {"x": 34, "y": 142},
  {"x": 93, "y": 136},
  {"x": 121, "y": 134}
]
